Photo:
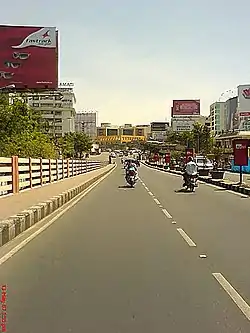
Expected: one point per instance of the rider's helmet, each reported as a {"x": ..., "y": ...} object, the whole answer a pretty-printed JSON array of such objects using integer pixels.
[{"x": 190, "y": 159}]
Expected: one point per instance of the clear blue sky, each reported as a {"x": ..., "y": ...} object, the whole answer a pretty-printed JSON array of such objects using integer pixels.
[{"x": 130, "y": 59}]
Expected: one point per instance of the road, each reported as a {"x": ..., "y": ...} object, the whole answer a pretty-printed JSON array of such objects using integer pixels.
[
  {"x": 102, "y": 157},
  {"x": 117, "y": 263}
]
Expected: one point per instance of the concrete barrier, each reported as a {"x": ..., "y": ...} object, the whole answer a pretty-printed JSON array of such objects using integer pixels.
[
  {"x": 15, "y": 225},
  {"x": 228, "y": 186}
]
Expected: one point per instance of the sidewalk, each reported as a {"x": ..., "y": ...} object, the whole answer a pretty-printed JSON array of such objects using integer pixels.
[
  {"x": 235, "y": 177},
  {"x": 16, "y": 203}
]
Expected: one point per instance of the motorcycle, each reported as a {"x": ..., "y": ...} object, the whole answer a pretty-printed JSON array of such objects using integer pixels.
[
  {"x": 191, "y": 183},
  {"x": 131, "y": 178}
]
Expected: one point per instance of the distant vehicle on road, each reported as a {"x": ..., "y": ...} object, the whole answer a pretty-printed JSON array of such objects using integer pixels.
[
  {"x": 113, "y": 154},
  {"x": 203, "y": 163},
  {"x": 95, "y": 150}
]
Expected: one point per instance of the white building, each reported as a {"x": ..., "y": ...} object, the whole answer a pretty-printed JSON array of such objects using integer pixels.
[
  {"x": 219, "y": 116},
  {"x": 86, "y": 122},
  {"x": 186, "y": 123},
  {"x": 57, "y": 108}
]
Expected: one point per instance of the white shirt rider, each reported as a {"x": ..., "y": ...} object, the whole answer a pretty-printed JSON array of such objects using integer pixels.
[{"x": 191, "y": 168}]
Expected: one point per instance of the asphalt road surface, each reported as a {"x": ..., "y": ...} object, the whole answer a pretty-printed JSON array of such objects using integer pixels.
[
  {"x": 102, "y": 157},
  {"x": 128, "y": 261}
]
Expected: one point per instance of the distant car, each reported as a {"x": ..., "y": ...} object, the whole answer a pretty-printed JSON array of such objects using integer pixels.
[
  {"x": 203, "y": 163},
  {"x": 113, "y": 154}
]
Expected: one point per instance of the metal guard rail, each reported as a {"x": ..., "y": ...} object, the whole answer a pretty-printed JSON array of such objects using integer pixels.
[{"x": 18, "y": 174}]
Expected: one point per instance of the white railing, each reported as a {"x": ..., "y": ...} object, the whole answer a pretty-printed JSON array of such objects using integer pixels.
[{"x": 17, "y": 174}]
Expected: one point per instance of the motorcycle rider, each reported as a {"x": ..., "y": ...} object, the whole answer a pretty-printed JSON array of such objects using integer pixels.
[
  {"x": 191, "y": 169},
  {"x": 131, "y": 166}
]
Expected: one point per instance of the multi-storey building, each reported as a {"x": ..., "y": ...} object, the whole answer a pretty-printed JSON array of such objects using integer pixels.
[
  {"x": 57, "y": 109},
  {"x": 218, "y": 116},
  {"x": 86, "y": 122}
]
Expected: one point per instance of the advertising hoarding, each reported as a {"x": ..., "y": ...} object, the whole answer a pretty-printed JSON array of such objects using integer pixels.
[
  {"x": 112, "y": 131},
  {"x": 28, "y": 57},
  {"x": 186, "y": 107},
  {"x": 243, "y": 110},
  {"x": 159, "y": 126},
  {"x": 128, "y": 131},
  {"x": 189, "y": 153},
  {"x": 182, "y": 124},
  {"x": 156, "y": 157},
  {"x": 167, "y": 158},
  {"x": 139, "y": 132},
  {"x": 240, "y": 147},
  {"x": 244, "y": 98},
  {"x": 101, "y": 131}
]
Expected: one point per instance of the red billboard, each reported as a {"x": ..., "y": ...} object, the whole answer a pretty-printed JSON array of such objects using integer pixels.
[
  {"x": 186, "y": 107},
  {"x": 189, "y": 153},
  {"x": 241, "y": 152},
  {"x": 28, "y": 57},
  {"x": 167, "y": 158}
]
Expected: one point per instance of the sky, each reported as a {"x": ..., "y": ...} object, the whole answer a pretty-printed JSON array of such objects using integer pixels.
[{"x": 130, "y": 59}]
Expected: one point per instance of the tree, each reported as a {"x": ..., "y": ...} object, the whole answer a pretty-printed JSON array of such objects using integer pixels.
[
  {"x": 82, "y": 143},
  {"x": 74, "y": 144},
  {"x": 202, "y": 140},
  {"x": 66, "y": 145},
  {"x": 20, "y": 131},
  {"x": 34, "y": 144}
]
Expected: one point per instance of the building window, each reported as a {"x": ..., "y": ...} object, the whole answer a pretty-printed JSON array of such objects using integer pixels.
[
  {"x": 47, "y": 112},
  {"x": 50, "y": 98},
  {"x": 35, "y": 98},
  {"x": 47, "y": 104},
  {"x": 58, "y": 128},
  {"x": 35, "y": 105},
  {"x": 58, "y": 113}
]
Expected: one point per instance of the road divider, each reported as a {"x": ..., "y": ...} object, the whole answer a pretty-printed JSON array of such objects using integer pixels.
[
  {"x": 13, "y": 226},
  {"x": 219, "y": 183}
]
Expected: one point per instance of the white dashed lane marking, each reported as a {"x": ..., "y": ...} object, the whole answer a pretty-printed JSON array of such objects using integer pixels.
[
  {"x": 169, "y": 216},
  {"x": 186, "y": 237},
  {"x": 157, "y": 201},
  {"x": 235, "y": 296}
]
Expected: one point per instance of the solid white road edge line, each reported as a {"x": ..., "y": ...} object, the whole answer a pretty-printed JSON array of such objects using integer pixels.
[
  {"x": 235, "y": 296},
  {"x": 228, "y": 191},
  {"x": 12, "y": 252},
  {"x": 201, "y": 182},
  {"x": 186, "y": 237},
  {"x": 169, "y": 216}
]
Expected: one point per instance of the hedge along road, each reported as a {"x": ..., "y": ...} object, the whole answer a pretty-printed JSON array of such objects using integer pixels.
[{"x": 128, "y": 260}]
